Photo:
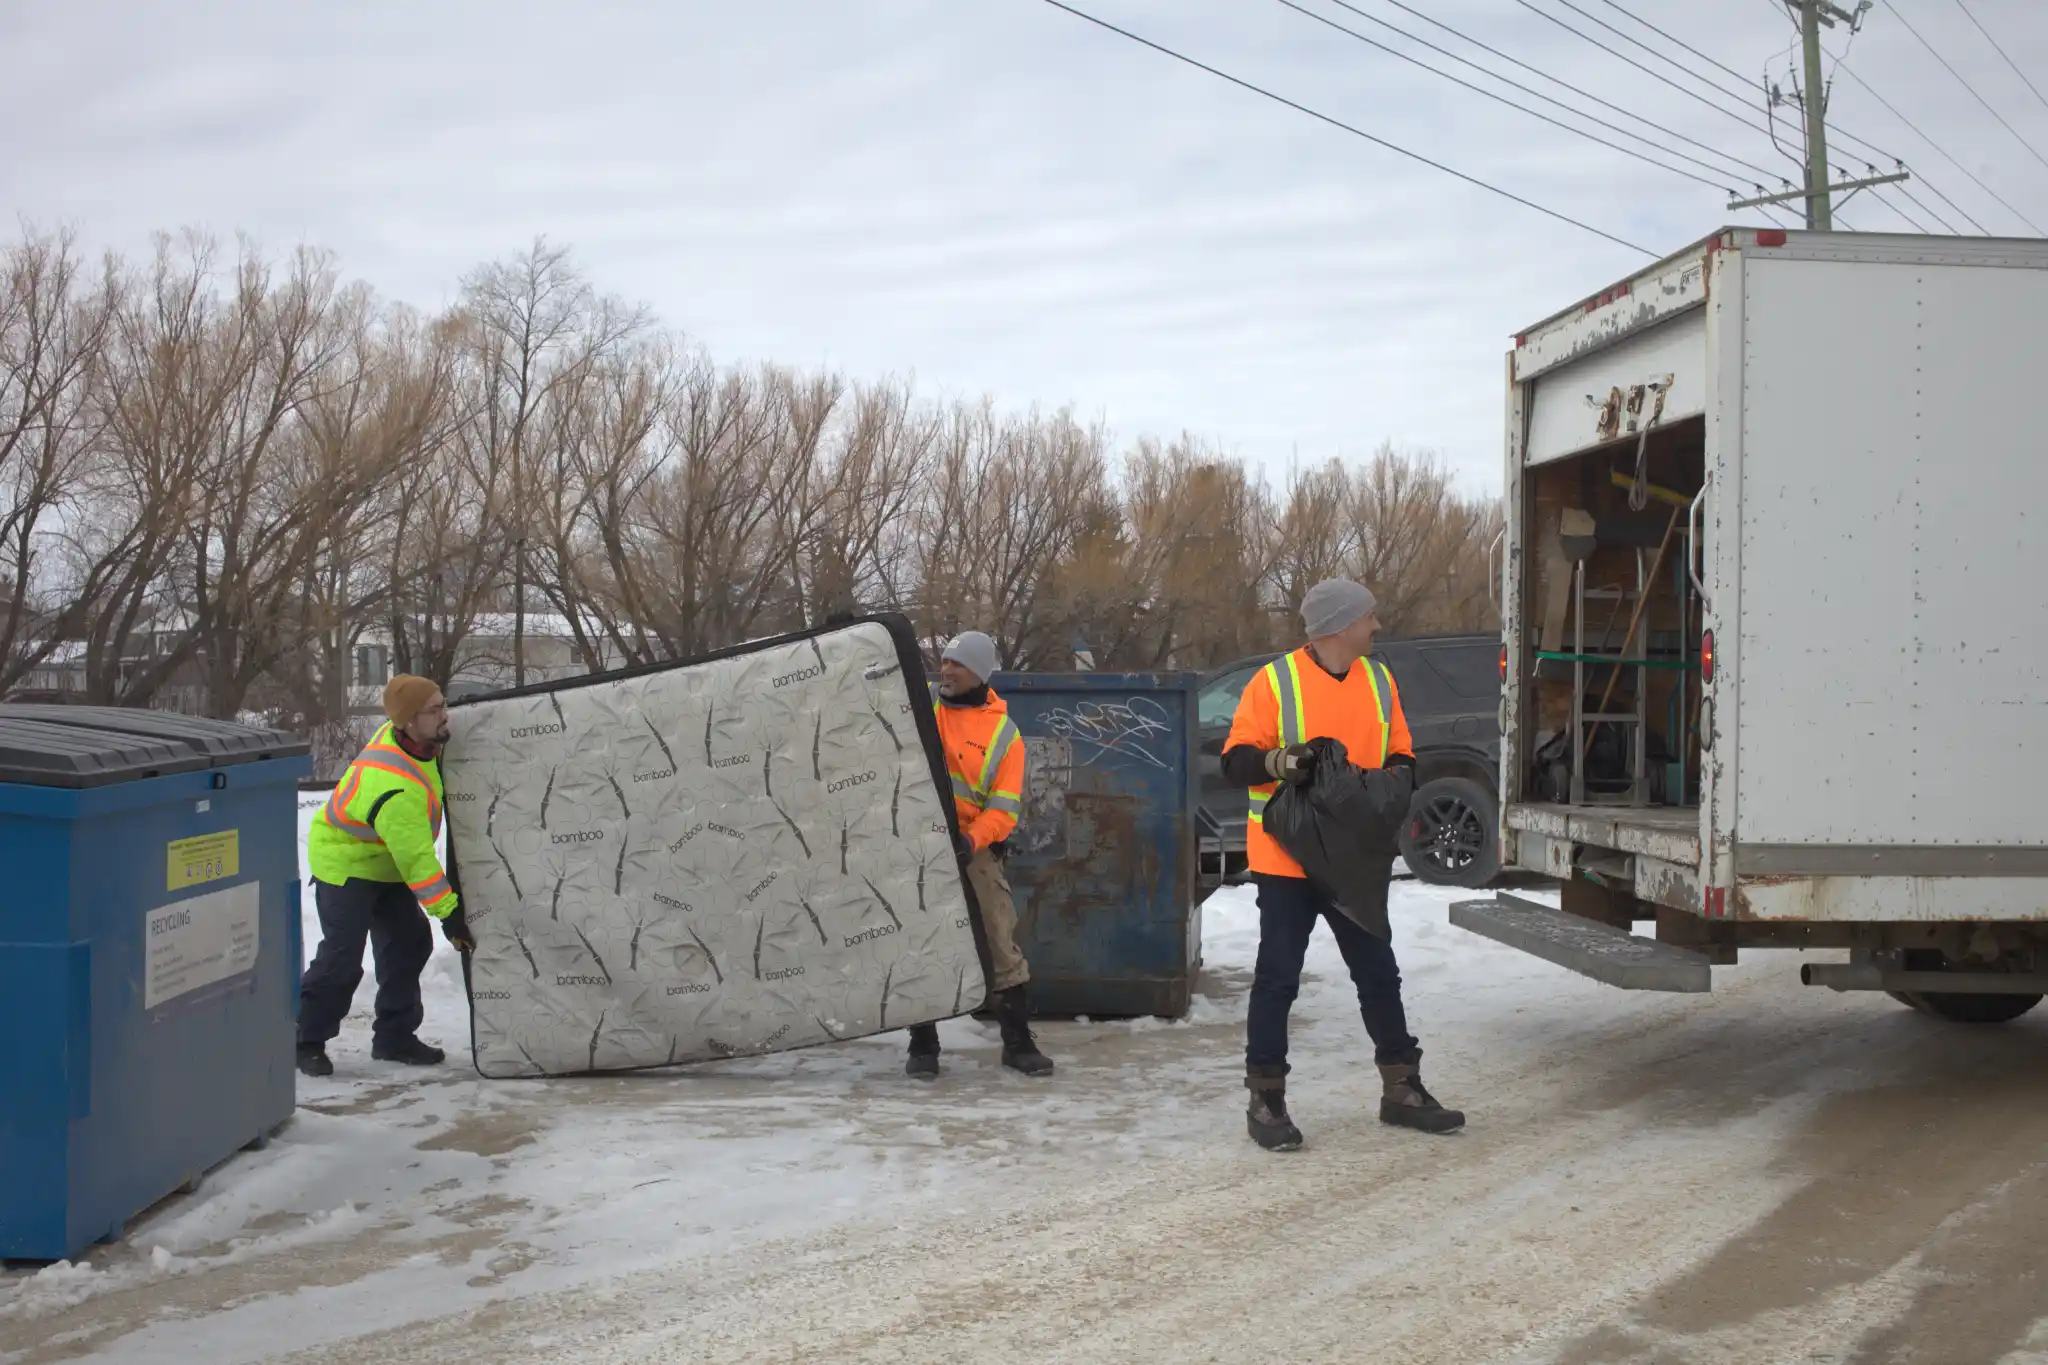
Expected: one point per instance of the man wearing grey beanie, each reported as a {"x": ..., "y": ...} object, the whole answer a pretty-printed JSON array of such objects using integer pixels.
[
  {"x": 1329, "y": 688},
  {"x": 985, "y": 760}
]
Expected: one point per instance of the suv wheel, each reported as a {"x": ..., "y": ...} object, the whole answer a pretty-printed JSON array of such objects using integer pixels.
[{"x": 1452, "y": 837}]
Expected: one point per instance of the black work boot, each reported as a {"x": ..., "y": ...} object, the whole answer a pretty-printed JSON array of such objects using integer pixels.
[
  {"x": 1266, "y": 1117},
  {"x": 412, "y": 1052},
  {"x": 1405, "y": 1103},
  {"x": 1020, "y": 1049},
  {"x": 923, "y": 1062},
  {"x": 313, "y": 1060}
]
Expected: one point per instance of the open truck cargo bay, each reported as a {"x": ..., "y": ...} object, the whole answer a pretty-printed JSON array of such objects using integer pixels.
[{"x": 1775, "y": 598}]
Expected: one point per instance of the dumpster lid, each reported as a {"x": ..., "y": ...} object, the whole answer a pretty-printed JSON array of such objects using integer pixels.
[{"x": 90, "y": 746}]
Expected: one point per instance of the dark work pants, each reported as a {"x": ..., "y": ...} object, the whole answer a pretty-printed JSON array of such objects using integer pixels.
[
  {"x": 1288, "y": 910},
  {"x": 388, "y": 916}
]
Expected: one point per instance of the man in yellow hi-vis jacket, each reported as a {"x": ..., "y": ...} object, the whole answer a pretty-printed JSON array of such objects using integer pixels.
[{"x": 377, "y": 876}]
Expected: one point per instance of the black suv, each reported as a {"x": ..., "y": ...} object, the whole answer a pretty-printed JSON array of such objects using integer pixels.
[{"x": 1450, "y": 692}]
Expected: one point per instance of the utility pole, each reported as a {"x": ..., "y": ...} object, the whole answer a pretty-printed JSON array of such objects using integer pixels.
[
  {"x": 1819, "y": 215},
  {"x": 1818, "y": 194}
]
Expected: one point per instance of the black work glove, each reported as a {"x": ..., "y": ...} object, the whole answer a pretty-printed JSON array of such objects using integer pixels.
[
  {"x": 455, "y": 928},
  {"x": 1293, "y": 765},
  {"x": 963, "y": 847}
]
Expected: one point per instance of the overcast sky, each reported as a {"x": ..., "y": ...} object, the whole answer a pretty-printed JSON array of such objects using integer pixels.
[{"x": 991, "y": 195}]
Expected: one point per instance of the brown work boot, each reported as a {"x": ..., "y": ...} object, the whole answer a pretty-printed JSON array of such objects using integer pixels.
[
  {"x": 1265, "y": 1118},
  {"x": 1406, "y": 1104}
]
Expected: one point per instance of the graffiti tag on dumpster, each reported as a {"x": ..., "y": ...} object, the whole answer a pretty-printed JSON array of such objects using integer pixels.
[
  {"x": 1126, "y": 728},
  {"x": 1048, "y": 766}
]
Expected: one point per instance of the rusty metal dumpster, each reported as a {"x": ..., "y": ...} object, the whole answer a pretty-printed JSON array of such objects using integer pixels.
[{"x": 1103, "y": 862}]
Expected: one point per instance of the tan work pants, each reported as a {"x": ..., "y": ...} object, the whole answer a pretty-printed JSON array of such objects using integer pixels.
[{"x": 998, "y": 920}]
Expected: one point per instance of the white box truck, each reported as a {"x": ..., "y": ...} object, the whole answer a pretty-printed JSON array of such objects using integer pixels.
[{"x": 1774, "y": 593}]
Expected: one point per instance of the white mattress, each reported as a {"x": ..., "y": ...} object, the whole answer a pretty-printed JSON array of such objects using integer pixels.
[{"x": 741, "y": 855}]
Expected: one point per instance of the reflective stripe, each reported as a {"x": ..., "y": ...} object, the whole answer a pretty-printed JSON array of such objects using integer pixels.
[
  {"x": 336, "y": 810},
  {"x": 404, "y": 759},
  {"x": 433, "y": 806},
  {"x": 1376, "y": 675},
  {"x": 998, "y": 745},
  {"x": 406, "y": 766},
  {"x": 1010, "y": 804},
  {"x": 433, "y": 889},
  {"x": 1286, "y": 685},
  {"x": 961, "y": 790}
]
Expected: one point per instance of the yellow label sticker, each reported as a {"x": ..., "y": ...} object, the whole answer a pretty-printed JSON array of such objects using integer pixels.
[{"x": 205, "y": 858}]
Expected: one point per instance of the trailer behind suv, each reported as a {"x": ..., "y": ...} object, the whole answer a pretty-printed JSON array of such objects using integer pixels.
[{"x": 1775, "y": 619}]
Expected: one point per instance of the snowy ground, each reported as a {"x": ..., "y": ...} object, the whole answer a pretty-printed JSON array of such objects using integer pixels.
[{"x": 1764, "y": 1173}]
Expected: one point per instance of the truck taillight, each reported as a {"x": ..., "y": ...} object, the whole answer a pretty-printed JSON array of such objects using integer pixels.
[
  {"x": 1707, "y": 657},
  {"x": 1503, "y": 663}
]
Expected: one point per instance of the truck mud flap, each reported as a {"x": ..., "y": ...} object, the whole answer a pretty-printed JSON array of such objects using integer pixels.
[{"x": 1600, "y": 951}]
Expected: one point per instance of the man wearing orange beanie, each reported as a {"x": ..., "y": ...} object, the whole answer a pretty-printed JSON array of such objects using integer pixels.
[{"x": 377, "y": 877}]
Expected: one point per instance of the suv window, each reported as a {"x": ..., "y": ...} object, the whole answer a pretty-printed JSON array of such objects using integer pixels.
[
  {"x": 1421, "y": 693},
  {"x": 1470, "y": 670},
  {"x": 1218, "y": 701}
]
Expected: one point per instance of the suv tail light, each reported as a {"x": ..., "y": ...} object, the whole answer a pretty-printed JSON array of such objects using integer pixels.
[
  {"x": 1503, "y": 663},
  {"x": 1707, "y": 657}
]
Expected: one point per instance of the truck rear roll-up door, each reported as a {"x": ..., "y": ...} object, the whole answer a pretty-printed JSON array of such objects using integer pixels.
[{"x": 1566, "y": 419}]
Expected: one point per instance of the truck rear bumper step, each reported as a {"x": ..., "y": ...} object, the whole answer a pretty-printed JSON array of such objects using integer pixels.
[{"x": 1584, "y": 946}]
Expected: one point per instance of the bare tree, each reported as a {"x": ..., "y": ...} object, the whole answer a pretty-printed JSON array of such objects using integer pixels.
[
  {"x": 1008, "y": 503},
  {"x": 537, "y": 329},
  {"x": 54, "y": 322},
  {"x": 223, "y": 472}
]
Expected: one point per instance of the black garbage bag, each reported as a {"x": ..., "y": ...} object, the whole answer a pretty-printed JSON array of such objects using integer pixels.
[{"x": 1343, "y": 827}]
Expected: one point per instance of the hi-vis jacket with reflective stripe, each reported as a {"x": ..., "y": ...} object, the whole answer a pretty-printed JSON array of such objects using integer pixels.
[
  {"x": 381, "y": 823},
  {"x": 985, "y": 759},
  {"x": 1293, "y": 700}
]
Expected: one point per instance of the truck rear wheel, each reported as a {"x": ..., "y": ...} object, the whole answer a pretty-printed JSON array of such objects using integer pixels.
[{"x": 1958, "y": 1008}]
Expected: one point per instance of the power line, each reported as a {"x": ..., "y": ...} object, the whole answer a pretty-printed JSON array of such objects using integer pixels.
[
  {"x": 1668, "y": 38},
  {"x": 1583, "y": 94},
  {"x": 1741, "y": 97},
  {"x": 1914, "y": 199},
  {"x": 2002, "y": 52},
  {"x": 1522, "y": 108},
  {"x": 1721, "y": 109},
  {"x": 1851, "y": 74},
  {"x": 1966, "y": 85},
  {"x": 1878, "y": 194},
  {"x": 1354, "y": 131},
  {"x": 1680, "y": 42}
]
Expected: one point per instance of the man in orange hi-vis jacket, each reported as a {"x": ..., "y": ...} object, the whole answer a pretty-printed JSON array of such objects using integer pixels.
[
  {"x": 1329, "y": 688},
  {"x": 985, "y": 760}
]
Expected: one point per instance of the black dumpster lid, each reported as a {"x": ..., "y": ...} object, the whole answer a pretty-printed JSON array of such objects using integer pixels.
[{"x": 90, "y": 746}]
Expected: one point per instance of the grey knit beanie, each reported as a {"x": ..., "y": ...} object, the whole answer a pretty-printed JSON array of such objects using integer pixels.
[
  {"x": 974, "y": 652},
  {"x": 1335, "y": 603}
]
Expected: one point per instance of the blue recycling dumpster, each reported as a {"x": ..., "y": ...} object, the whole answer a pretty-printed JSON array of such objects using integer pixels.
[
  {"x": 1103, "y": 863},
  {"x": 149, "y": 961}
]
